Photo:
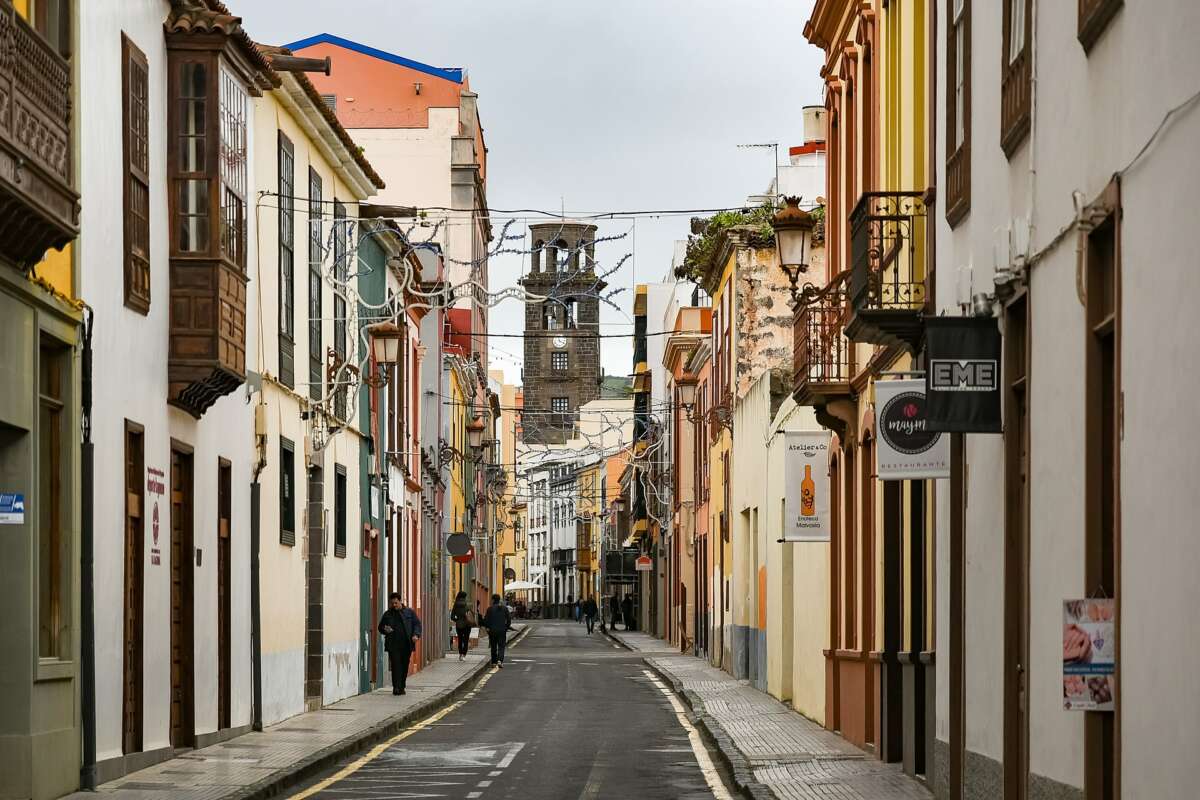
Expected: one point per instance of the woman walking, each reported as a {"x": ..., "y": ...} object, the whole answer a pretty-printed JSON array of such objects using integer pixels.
[{"x": 463, "y": 620}]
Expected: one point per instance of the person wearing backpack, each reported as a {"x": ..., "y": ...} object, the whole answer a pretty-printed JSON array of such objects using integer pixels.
[
  {"x": 497, "y": 620},
  {"x": 463, "y": 619}
]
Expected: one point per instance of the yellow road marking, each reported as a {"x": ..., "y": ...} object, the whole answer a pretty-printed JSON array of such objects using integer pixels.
[{"x": 380, "y": 748}]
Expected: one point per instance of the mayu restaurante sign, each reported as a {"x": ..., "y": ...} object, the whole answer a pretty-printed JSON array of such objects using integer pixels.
[{"x": 907, "y": 448}]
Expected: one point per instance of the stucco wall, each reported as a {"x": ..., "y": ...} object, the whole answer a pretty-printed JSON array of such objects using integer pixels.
[
  {"x": 1094, "y": 113},
  {"x": 130, "y": 382}
]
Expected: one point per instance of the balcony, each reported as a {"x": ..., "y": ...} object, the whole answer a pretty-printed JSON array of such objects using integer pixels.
[
  {"x": 823, "y": 358},
  {"x": 887, "y": 269},
  {"x": 39, "y": 207}
]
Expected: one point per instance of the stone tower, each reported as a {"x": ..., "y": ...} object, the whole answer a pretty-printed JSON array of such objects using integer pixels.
[{"x": 562, "y": 333}]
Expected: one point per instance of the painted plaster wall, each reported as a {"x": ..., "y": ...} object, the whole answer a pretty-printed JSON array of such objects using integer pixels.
[
  {"x": 283, "y": 566},
  {"x": 130, "y": 372},
  {"x": 1094, "y": 113}
]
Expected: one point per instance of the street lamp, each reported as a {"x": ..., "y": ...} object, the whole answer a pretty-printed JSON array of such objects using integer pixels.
[
  {"x": 386, "y": 338},
  {"x": 687, "y": 386},
  {"x": 793, "y": 236},
  {"x": 475, "y": 433}
]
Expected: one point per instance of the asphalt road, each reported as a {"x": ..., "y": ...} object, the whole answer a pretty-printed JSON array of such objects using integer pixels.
[{"x": 569, "y": 716}]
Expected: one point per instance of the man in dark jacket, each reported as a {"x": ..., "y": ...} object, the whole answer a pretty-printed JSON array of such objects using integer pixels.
[
  {"x": 401, "y": 628},
  {"x": 497, "y": 621},
  {"x": 614, "y": 610},
  {"x": 589, "y": 613},
  {"x": 627, "y": 612}
]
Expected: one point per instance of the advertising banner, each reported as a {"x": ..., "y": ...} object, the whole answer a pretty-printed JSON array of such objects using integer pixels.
[
  {"x": 962, "y": 376},
  {"x": 1089, "y": 650},
  {"x": 906, "y": 449},
  {"x": 806, "y": 475}
]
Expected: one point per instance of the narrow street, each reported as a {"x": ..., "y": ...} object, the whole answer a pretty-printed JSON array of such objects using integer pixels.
[{"x": 569, "y": 715}]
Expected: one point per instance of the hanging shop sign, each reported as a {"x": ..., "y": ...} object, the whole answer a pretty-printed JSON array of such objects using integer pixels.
[
  {"x": 806, "y": 473},
  {"x": 458, "y": 544},
  {"x": 1089, "y": 650},
  {"x": 644, "y": 564},
  {"x": 962, "y": 375},
  {"x": 12, "y": 509},
  {"x": 906, "y": 449}
]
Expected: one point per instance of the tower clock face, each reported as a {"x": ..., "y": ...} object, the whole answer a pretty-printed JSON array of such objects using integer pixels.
[{"x": 559, "y": 341}]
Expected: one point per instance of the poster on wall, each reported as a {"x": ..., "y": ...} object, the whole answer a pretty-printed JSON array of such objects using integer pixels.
[
  {"x": 1089, "y": 654},
  {"x": 806, "y": 473},
  {"x": 906, "y": 449},
  {"x": 156, "y": 487}
]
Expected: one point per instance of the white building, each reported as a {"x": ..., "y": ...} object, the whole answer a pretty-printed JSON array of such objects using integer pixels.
[
  {"x": 311, "y": 515},
  {"x": 1067, "y": 171},
  {"x": 174, "y": 296}
]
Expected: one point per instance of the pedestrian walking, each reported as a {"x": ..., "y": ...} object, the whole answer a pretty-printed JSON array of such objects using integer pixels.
[
  {"x": 627, "y": 611},
  {"x": 401, "y": 629},
  {"x": 614, "y": 609},
  {"x": 576, "y": 611},
  {"x": 497, "y": 621},
  {"x": 464, "y": 620},
  {"x": 590, "y": 610}
]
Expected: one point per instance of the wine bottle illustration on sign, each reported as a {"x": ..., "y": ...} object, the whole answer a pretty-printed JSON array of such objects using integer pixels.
[{"x": 808, "y": 492}]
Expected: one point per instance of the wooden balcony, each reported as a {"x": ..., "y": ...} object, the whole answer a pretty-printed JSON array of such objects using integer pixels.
[
  {"x": 887, "y": 263},
  {"x": 39, "y": 207},
  {"x": 822, "y": 356}
]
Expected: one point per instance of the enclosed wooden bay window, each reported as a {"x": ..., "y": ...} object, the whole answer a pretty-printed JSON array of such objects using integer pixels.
[{"x": 213, "y": 68}]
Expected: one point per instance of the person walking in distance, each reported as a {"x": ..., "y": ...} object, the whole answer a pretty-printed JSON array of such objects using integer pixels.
[
  {"x": 401, "y": 629},
  {"x": 614, "y": 609},
  {"x": 497, "y": 621},
  {"x": 578, "y": 616},
  {"x": 590, "y": 610},
  {"x": 463, "y": 619},
  {"x": 627, "y": 611}
]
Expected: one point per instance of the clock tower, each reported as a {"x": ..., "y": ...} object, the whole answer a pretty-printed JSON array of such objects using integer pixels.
[{"x": 562, "y": 332}]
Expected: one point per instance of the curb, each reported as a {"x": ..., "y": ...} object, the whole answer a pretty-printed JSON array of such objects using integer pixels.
[
  {"x": 733, "y": 758},
  {"x": 312, "y": 765}
]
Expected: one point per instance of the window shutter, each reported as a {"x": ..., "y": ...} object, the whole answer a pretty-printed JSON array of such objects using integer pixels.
[{"x": 135, "y": 106}]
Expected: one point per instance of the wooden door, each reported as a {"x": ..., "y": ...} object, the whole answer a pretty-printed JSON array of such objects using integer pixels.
[
  {"x": 376, "y": 611},
  {"x": 135, "y": 538},
  {"x": 182, "y": 596},
  {"x": 224, "y": 588},
  {"x": 1016, "y": 555}
]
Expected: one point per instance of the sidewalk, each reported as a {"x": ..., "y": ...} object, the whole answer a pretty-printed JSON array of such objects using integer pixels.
[
  {"x": 772, "y": 751},
  {"x": 264, "y": 764}
]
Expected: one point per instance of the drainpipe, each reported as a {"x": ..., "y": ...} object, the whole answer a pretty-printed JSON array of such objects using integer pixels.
[
  {"x": 256, "y": 705},
  {"x": 87, "y": 658}
]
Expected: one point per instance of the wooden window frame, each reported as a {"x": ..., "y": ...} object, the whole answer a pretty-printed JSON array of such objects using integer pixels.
[
  {"x": 54, "y": 545},
  {"x": 1103, "y": 427},
  {"x": 135, "y": 149},
  {"x": 286, "y": 161},
  {"x": 341, "y": 497},
  {"x": 1016, "y": 82},
  {"x": 180, "y": 175},
  {"x": 287, "y": 492},
  {"x": 958, "y": 154},
  {"x": 1094, "y": 17}
]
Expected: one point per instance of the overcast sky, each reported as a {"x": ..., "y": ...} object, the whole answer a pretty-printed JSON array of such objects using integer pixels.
[{"x": 599, "y": 105}]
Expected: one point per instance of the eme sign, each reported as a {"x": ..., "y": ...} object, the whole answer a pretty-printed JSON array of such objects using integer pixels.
[
  {"x": 962, "y": 377},
  {"x": 644, "y": 564}
]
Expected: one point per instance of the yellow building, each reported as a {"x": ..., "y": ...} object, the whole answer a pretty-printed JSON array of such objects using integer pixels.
[
  {"x": 590, "y": 482},
  {"x": 879, "y": 659}
]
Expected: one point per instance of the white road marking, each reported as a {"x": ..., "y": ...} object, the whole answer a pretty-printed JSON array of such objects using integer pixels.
[
  {"x": 484, "y": 784},
  {"x": 473, "y": 795},
  {"x": 707, "y": 768},
  {"x": 495, "y": 774},
  {"x": 512, "y": 754}
]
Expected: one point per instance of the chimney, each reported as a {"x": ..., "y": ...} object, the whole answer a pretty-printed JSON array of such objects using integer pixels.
[{"x": 814, "y": 124}]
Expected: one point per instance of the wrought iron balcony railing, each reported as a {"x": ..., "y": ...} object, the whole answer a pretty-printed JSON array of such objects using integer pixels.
[
  {"x": 823, "y": 358},
  {"x": 887, "y": 281}
]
